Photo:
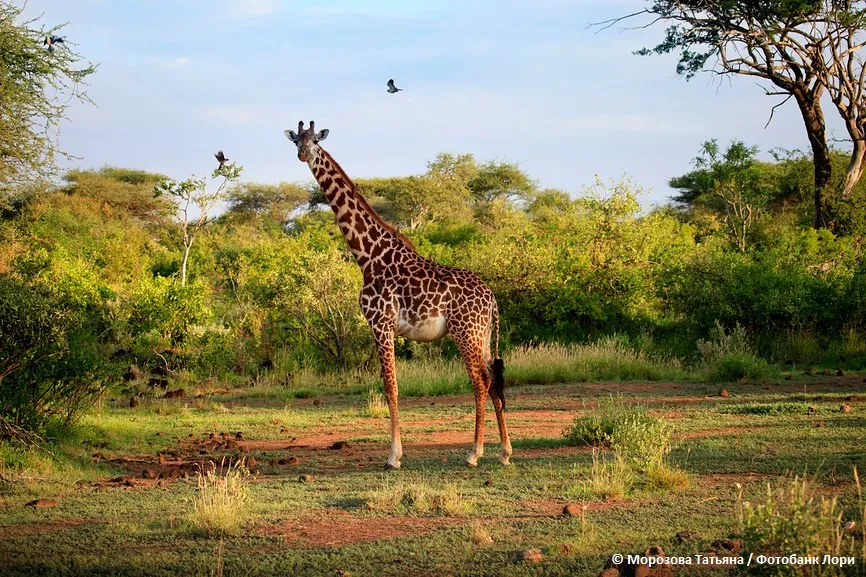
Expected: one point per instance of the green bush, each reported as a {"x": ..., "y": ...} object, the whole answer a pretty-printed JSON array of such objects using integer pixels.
[
  {"x": 52, "y": 328},
  {"x": 161, "y": 305},
  {"x": 631, "y": 432},
  {"x": 736, "y": 366}
]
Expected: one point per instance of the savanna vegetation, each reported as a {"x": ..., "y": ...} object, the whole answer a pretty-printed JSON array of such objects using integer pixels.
[{"x": 187, "y": 385}]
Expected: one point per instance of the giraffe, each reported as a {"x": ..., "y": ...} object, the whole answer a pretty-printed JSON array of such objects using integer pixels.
[{"x": 406, "y": 294}]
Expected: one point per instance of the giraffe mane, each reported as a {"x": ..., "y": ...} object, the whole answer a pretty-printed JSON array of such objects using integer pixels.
[{"x": 366, "y": 205}]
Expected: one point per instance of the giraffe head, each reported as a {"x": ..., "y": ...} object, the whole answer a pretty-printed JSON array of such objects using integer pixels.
[{"x": 307, "y": 140}]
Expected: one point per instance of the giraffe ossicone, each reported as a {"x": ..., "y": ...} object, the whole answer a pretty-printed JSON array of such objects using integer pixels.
[{"x": 406, "y": 294}]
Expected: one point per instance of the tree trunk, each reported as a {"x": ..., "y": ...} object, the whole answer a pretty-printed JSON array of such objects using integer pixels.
[
  {"x": 855, "y": 169},
  {"x": 183, "y": 264},
  {"x": 813, "y": 117}
]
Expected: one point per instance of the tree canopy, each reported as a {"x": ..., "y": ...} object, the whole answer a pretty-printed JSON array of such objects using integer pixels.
[
  {"x": 803, "y": 48},
  {"x": 36, "y": 87}
]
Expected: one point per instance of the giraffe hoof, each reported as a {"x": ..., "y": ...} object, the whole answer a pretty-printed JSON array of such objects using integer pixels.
[
  {"x": 505, "y": 460},
  {"x": 472, "y": 461},
  {"x": 390, "y": 467}
]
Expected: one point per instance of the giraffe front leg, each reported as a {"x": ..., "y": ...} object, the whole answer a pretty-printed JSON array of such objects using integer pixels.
[
  {"x": 480, "y": 405},
  {"x": 389, "y": 379}
]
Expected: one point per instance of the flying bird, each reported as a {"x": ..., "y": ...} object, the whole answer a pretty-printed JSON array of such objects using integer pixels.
[
  {"x": 391, "y": 88},
  {"x": 50, "y": 41},
  {"x": 221, "y": 158}
]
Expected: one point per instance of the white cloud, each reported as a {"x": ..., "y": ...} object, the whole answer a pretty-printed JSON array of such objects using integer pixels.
[{"x": 181, "y": 61}]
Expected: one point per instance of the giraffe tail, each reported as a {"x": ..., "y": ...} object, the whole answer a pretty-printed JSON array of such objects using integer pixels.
[{"x": 498, "y": 364}]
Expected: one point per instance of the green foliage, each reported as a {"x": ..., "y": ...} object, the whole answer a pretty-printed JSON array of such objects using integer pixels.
[
  {"x": 37, "y": 87},
  {"x": 162, "y": 306}
]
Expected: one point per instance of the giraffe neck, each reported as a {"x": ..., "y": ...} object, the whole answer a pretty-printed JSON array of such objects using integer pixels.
[{"x": 364, "y": 230}]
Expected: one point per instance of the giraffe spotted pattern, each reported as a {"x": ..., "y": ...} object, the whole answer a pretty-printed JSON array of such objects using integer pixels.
[{"x": 405, "y": 294}]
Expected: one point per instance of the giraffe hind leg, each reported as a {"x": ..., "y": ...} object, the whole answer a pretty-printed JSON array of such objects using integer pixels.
[
  {"x": 505, "y": 452},
  {"x": 473, "y": 359}
]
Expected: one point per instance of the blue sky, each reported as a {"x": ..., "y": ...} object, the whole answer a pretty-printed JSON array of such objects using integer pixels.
[{"x": 516, "y": 81}]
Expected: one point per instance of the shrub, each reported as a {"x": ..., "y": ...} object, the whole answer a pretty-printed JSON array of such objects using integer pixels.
[
  {"x": 52, "y": 328},
  {"x": 735, "y": 366},
  {"x": 638, "y": 437}
]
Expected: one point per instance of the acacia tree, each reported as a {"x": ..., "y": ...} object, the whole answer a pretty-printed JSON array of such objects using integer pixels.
[
  {"x": 36, "y": 87},
  {"x": 804, "y": 48},
  {"x": 193, "y": 193}
]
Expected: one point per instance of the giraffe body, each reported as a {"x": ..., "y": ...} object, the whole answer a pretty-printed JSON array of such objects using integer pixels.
[{"x": 406, "y": 294}]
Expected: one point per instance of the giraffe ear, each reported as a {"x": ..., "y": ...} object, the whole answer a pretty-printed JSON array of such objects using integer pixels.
[
  {"x": 323, "y": 134},
  {"x": 291, "y": 135}
]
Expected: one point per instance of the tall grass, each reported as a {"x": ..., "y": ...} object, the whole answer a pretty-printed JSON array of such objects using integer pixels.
[
  {"x": 219, "y": 508},
  {"x": 794, "y": 519},
  {"x": 610, "y": 358}
]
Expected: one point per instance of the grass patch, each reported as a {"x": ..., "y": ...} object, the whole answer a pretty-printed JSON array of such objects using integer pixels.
[
  {"x": 781, "y": 408},
  {"x": 793, "y": 518},
  {"x": 610, "y": 358},
  {"x": 609, "y": 477},
  {"x": 418, "y": 498},
  {"x": 219, "y": 508},
  {"x": 376, "y": 407}
]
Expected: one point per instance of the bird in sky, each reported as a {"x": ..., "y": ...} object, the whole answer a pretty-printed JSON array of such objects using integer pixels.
[
  {"x": 51, "y": 40},
  {"x": 221, "y": 158},
  {"x": 391, "y": 88}
]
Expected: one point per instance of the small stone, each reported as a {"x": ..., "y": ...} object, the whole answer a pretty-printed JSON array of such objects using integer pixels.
[
  {"x": 292, "y": 460},
  {"x": 845, "y": 409},
  {"x": 488, "y": 483},
  {"x": 787, "y": 377},
  {"x": 840, "y": 373},
  {"x": 41, "y": 503},
  {"x": 252, "y": 462},
  {"x": 820, "y": 425},
  {"x": 317, "y": 402},
  {"x": 339, "y": 445},
  {"x": 683, "y": 536},
  {"x": 850, "y": 528},
  {"x": 572, "y": 510},
  {"x": 96, "y": 457},
  {"x": 306, "y": 478},
  {"x": 810, "y": 371},
  {"x": 723, "y": 393},
  {"x": 531, "y": 556},
  {"x": 827, "y": 372},
  {"x": 239, "y": 436},
  {"x": 133, "y": 402},
  {"x": 812, "y": 409},
  {"x": 149, "y": 474}
]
